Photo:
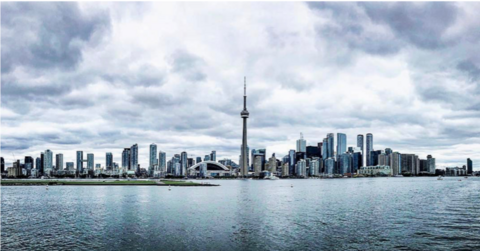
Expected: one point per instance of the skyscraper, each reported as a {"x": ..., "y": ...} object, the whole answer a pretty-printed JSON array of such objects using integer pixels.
[
  {"x": 361, "y": 145},
  {"x": 28, "y": 163},
  {"x": 38, "y": 164},
  {"x": 341, "y": 144},
  {"x": 80, "y": 161},
  {"x": 153, "y": 156},
  {"x": 199, "y": 159},
  {"x": 431, "y": 164},
  {"x": 244, "y": 114},
  {"x": 183, "y": 163},
  {"x": 396, "y": 163},
  {"x": 59, "y": 161},
  {"x": 469, "y": 166},
  {"x": 126, "y": 159},
  {"x": 330, "y": 145},
  {"x": 301, "y": 144},
  {"x": 272, "y": 164},
  {"x": 293, "y": 162},
  {"x": 3, "y": 164},
  {"x": 213, "y": 156},
  {"x": 90, "y": 161},
  {"x": 48, "y": 162},
  {"x": 133, "y": 157},
  {"x": 369, "y": 148},
  {"x": 109, "y": 161},
  {"x": 162, "y": 158}
]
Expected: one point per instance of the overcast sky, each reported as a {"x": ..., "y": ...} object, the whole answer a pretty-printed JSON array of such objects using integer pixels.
[{"x": 100, "y": 77}]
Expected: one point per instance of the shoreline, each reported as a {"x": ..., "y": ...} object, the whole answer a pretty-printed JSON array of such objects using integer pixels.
[{"x": 101, "y": 183}]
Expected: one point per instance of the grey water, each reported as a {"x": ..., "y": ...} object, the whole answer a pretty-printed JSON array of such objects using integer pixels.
[{"x": 330, "y": 214}]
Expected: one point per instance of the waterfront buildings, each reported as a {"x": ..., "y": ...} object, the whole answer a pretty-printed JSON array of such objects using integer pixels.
[
  {"x": 376, "y": 170},
  {"x": 153, "y": 159}
]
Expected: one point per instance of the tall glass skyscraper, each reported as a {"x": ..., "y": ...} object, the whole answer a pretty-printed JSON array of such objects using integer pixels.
[
  {"x": 360, "y": 143},
  {"x": 90, "y": 161},
  {"x": 330, "y": 145},
  {"x": 134, "y": 157},
  {"x": 48, "y": 161},
  {"x": 183, "y": 163},
  {"x": 126, "y": 159},
  {"x": 199, "y": 159},
  {"x": 369, "y": 148},
  {"x": 301, "y": 144},
  {"x": 80, "y": 161},
  {"x": 341, "y": 144},
  {"x": 153, "y": 157},
  {"x": 213, "y": 155},
  {"x": 292, "y": 159},
  {"x": 59, "y": 162},
  {"x": 469, "y": 166},
  {"x": 109, "y": 161},
  {"x": 162, "y": 158}
]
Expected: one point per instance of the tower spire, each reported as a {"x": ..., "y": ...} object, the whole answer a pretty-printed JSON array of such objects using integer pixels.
[{"x": 245, "y": 86}]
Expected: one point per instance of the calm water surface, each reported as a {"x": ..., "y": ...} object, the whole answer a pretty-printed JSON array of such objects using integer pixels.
[{"x": 340, "y": 214}]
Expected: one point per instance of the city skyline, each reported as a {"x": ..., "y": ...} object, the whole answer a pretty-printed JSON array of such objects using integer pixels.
[{"x": 415, "y": 95}]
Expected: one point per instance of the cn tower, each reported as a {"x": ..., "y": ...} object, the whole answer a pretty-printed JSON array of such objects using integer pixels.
[{"x": 244, "y": 114}]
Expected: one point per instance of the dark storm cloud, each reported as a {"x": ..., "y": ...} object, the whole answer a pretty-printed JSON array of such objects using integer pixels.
[
  {"x": 350, "y": 27},
  {"x": 188, "y": 65},
  {"x": 471, "y": 69},
  {"x": 421, "y": 24},
  {"x": 47, "y": 35}
]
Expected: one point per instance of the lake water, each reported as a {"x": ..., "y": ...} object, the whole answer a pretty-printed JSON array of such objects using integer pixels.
[{"x": 340, "y": 214}]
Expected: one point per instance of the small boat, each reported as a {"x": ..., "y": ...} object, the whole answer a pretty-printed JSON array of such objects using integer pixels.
[
  {"x": 291, "y": 186},
  {"x": 440, "y": 178},
  {"x": 271, "y": 177},
  {"x": 169, "y": 188},
  {"x": 46, "y": 188}
]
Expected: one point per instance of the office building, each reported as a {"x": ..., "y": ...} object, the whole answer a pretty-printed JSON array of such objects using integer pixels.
[
  {"x": 90, "y": 161},
  {"x": 301, "y": 144},
  {"x": 292, "y": 159},
  {"x": 59, "y": 162},
  {"x": 69, "y": 166},
  {"x": 48, "y": 162},
  {"x": 80, "y": 161},
  {"x": 469, "y": 166},
  {"x": 329, "y": 166},
  {"x": 369, "y": 149},
  {"x": 183, "y": 163},
  {"x": 272, "y": 164},
  {"x": 213, "y": 155},
  {"x": 134, "y": 158},
  {"x": 301, "y": 168},
  {"x": 360, "y": 144},
  {"x": 341, "y": 144},
  {"x": 199, "y": 159},
  {"x": 126, "y": 159},
  {"x": 396, "y": 163},
  {"x": 109, "y": 161}
]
